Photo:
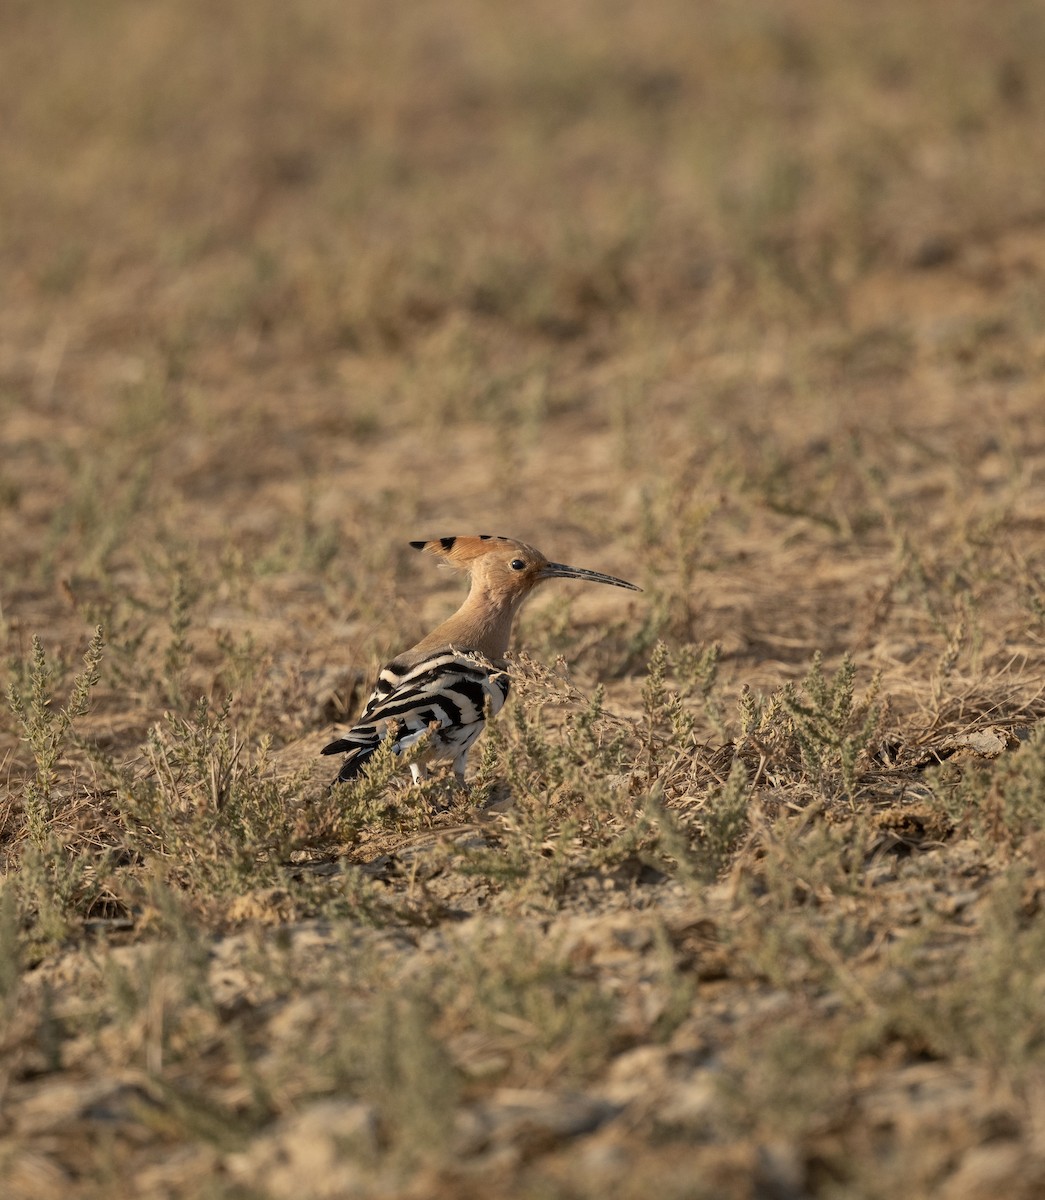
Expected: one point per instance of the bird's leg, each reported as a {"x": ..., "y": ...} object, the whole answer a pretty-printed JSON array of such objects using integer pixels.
[{"x": 460, "y": 762}]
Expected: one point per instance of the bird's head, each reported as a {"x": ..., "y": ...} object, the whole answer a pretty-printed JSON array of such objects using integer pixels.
[{"x": 505, "y": 568}]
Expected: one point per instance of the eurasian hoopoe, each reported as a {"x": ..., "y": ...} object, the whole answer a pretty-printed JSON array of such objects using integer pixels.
[{"x": 448, "y": 683}]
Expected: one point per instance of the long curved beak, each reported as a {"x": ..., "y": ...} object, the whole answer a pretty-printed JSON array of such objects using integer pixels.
[{"x": 562, "y": 571}]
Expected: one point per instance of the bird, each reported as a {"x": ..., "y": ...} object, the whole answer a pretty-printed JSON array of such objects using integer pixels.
[{"x": 448, "y": 684}]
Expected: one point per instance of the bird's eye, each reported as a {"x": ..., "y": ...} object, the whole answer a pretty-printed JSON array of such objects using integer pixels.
[{"x": 517, "y": 564}]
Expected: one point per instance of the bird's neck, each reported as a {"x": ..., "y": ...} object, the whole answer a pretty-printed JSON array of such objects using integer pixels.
[{"x": 483, "y": 623}]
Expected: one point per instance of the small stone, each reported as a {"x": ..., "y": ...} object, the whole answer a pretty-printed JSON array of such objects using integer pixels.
[{"x": 313, "y": 1155}]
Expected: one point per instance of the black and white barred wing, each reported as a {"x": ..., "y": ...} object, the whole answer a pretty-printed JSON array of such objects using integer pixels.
[{"x": 448, "y": 695}]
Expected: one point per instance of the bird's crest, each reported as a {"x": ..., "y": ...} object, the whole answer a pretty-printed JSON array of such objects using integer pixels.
[{"x": 461, "y": 552}]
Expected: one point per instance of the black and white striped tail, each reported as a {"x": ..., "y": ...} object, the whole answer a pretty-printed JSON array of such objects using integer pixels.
[{"x": 448, "y": 696}]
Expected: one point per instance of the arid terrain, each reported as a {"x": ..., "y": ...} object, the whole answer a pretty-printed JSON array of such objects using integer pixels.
[{"x": 744, "y": 302}]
